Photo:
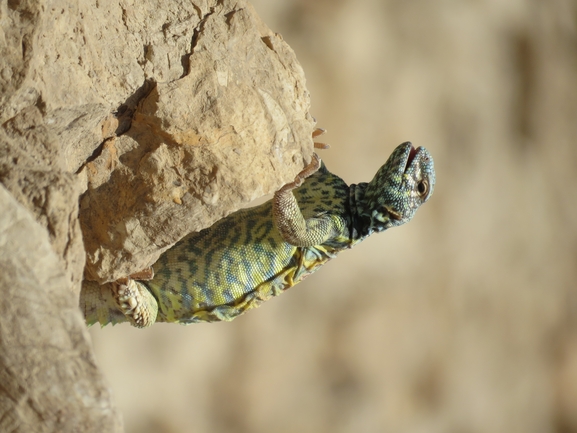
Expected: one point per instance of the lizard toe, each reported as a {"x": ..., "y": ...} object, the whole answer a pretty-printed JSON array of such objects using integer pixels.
[{"x": 135, "y": 302}]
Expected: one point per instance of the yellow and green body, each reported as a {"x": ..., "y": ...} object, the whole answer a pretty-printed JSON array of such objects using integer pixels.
[{"x": 256, "y": 253}]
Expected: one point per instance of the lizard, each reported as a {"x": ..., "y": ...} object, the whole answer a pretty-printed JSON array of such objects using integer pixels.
[{"x": 253, "y": 254}]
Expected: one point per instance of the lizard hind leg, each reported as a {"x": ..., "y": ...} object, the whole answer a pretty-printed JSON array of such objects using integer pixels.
[{"x": 135, "y": 302}]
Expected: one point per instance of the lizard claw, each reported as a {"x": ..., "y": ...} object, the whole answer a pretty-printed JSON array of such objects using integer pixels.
[{"x": 316, "y": 133}]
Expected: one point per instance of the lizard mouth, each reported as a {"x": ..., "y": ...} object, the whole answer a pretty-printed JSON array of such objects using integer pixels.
[{"x": 411, "y": 156}]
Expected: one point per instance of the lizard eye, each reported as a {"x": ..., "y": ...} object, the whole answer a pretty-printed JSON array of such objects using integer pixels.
[{"x": 423, "y": 188}]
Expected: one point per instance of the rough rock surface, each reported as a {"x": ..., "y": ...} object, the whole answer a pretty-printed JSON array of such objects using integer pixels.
[
  {"x": 48, "y": 375},
  {"x": 124, "y": 126},
  {"x": 226, "y": 126}
]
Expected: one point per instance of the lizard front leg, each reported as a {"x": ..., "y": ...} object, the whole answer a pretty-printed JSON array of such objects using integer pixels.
[
  {"x": 289, "y": 220},
  {"x": 134, "y": 299}
]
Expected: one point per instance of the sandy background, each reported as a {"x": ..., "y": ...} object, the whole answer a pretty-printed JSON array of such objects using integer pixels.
[{"x": 464, "y": 320}]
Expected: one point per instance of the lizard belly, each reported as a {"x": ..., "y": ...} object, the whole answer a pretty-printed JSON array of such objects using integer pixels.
[
  {"x": 231, "y": 267},
  {"x": 225, "y": 282}
]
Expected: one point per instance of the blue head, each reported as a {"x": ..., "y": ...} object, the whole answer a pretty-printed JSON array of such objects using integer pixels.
[{"x": 401, "y": 185}]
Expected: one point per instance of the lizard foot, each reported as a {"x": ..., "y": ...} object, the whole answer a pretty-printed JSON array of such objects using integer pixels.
[
  {"x": 311, "y": 168},
  {"x": 135, "y": 302}
]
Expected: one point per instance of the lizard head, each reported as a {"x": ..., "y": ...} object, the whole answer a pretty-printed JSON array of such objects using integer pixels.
[{"x": 401, "y": 185}]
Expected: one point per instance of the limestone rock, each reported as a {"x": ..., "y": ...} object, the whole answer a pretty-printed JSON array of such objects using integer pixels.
[
  {"x": 232, "y": 127},
  {"x": 123, "y": 127},
  {"x": 48, "y": 373}
]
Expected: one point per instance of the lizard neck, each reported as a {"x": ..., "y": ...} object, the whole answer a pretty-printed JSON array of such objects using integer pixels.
[{"x": 360, "y": 223}]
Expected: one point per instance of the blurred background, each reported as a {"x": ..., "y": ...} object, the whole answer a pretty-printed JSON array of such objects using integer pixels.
[{"x": 462, "y": 321}]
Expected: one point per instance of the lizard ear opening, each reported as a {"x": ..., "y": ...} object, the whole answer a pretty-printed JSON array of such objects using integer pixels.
[
  {"x": 391, "y": 213},
  {"x": 384, "y": 218}
]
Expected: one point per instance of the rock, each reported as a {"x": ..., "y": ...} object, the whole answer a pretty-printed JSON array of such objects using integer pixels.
[
  {"x": 47, "y": 370},
  {"x": 232, "y": 127},
  {"x": 124, "y": 127}
]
